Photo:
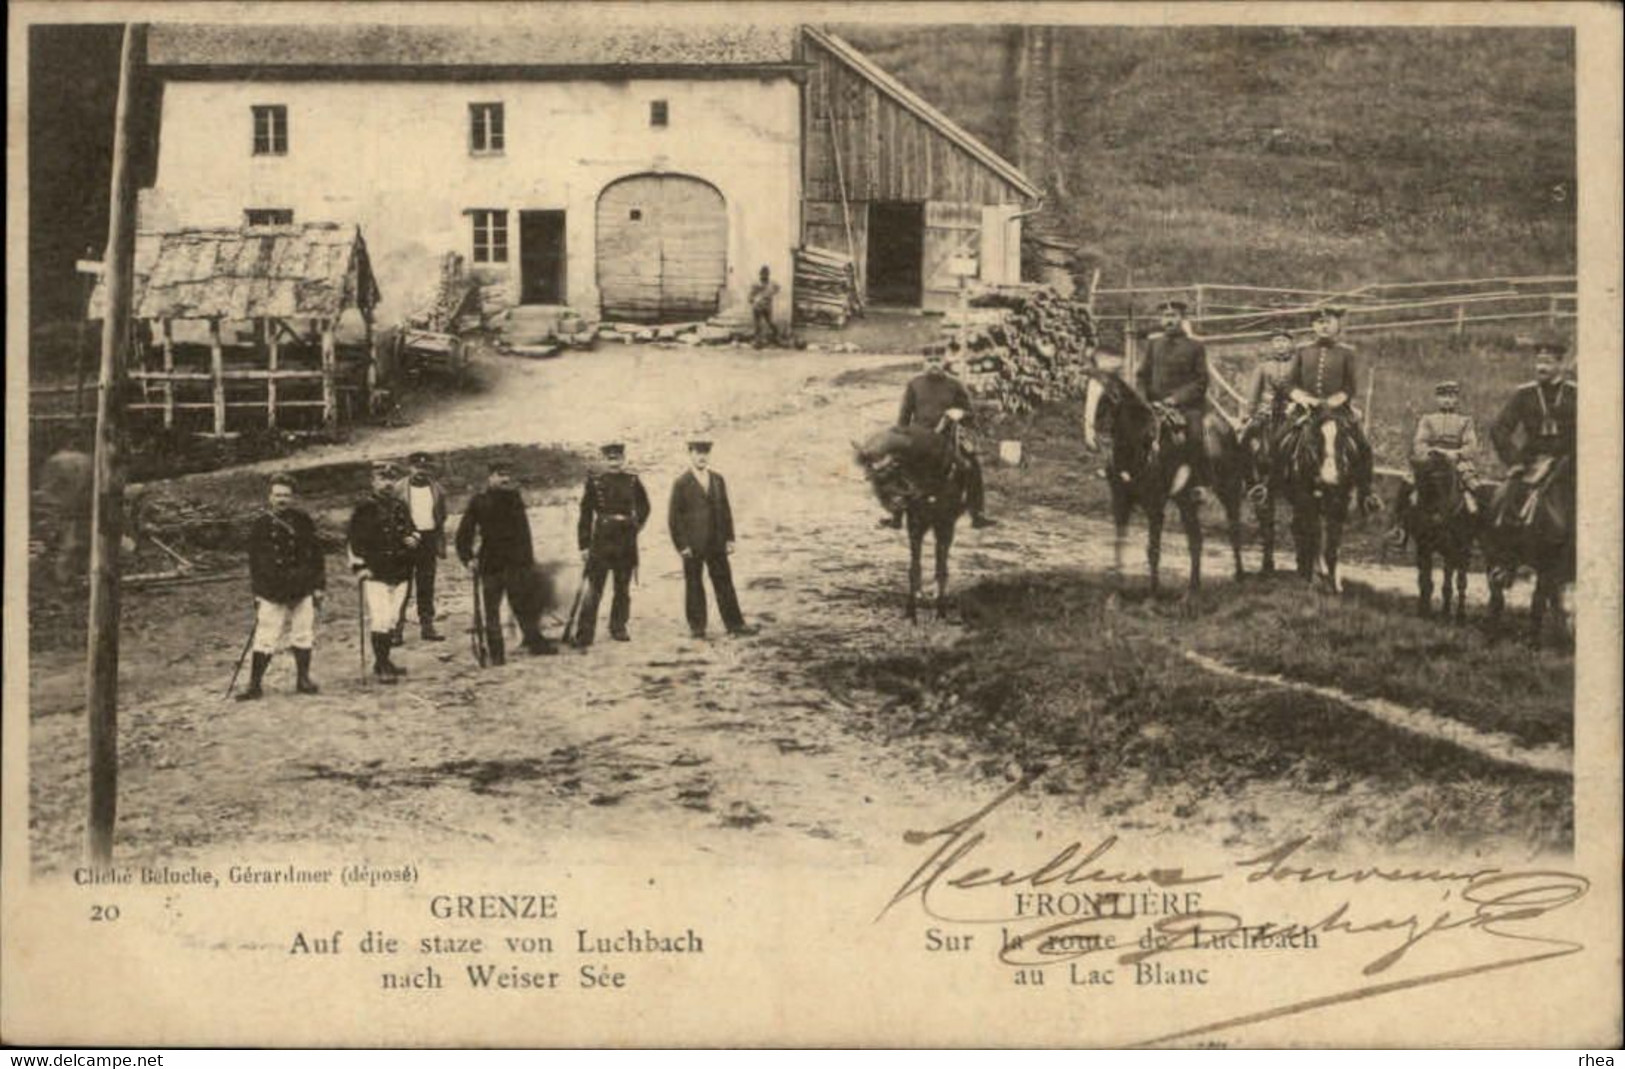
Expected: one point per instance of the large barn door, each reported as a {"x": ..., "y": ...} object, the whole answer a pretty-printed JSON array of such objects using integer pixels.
[
  {"x": 953, "y": 232},
  {"x": 662, "y": 248}
]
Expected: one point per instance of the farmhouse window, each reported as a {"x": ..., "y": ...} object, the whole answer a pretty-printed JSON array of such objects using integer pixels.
[
  {"x": 268, "y": 216},
  {"x": 485, "y": 134},
  {"x": 270, "y": 129},
  {"x": 490, "y": 236},
  {"x": 659, "y": 113}
]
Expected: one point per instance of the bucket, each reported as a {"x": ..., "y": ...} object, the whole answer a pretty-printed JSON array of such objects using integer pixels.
[{"x": 1010, "y": 453}]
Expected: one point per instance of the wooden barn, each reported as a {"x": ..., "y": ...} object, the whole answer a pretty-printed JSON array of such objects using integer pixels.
[
  {"x": 241, "y": 328},
  {"x": 898, "y": 186}
]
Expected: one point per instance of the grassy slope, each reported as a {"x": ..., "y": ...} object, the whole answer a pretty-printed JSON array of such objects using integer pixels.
[
  {"x": 1057, "y": 672},
  {"x": 1293, "y": 157}
]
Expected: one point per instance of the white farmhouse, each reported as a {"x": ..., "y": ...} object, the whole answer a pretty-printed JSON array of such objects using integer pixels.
[{"x": 642, "y": 174}]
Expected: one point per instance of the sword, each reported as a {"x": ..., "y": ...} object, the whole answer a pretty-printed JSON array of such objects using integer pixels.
[{"x": 361, "y": 614}]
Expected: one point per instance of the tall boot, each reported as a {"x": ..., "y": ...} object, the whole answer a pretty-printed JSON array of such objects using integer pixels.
[
  {"x": 301, "y": 662},
  {"x": 429, "y": 632},
  {"x": 382, "y": 667},
  {"x": 256, "y": 675}
]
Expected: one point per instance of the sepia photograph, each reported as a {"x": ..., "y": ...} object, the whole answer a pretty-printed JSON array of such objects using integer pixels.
[{"x": 887, "y": 525}]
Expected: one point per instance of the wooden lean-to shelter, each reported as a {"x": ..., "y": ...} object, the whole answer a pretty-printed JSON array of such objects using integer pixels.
[{"x": 250, "y": 322}]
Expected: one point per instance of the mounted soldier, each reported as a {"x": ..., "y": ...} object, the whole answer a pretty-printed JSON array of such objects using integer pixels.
[
  {"x": 1174, "y": 378},
  {"x": 1324, "y": 381},
  {"x": 1268, "y": 391},
  {"x": 614, "y": 508},
  {"x": 940, "y": 403},
  {"x": 1534, "y": 433},
  {"x": 1449, "y": 435}
]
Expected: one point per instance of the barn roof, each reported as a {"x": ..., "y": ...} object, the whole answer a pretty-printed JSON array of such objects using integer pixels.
[
  {"x": 560, "y": 43},
  {"x": 305, "y": 270},
  {"x": 918, "y": 105}
]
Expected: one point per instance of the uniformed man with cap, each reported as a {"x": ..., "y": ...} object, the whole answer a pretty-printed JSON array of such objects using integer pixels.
[
  {"x": 1174, "y": 374},
  {"x": 383, "y": 554},
  {"x": 1268, "y": 386},
  {"x": 701, "y": 522},
  {"x": 931, "y": 398},
  {"x": 1327, "y": 376},
  {"x": 1447, "y": 433},
  {"x": 614, "y": 508},
  {"x": 1535, "y": 429},
  {"x": 507, "y": 561},
  {"x": 426, "y": 499},
  {"x": 288, "y": 574}
]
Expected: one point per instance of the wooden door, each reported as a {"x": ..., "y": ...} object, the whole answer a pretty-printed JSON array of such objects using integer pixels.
[
  {"x": 953, "y": 233},
  {"x": 662, "y": 249}
]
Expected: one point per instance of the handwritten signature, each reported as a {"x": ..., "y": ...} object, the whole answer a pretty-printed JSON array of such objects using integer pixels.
[{"x": 1488, "y": 902}]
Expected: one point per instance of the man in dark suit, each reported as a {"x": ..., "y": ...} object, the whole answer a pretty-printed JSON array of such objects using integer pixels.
[
  {"x": 702, "y": 529},
  {"x": 507, "y": 561}
]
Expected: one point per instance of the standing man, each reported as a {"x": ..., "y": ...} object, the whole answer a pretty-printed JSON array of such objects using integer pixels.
[
  {"x": 426, "y": 500},
  {"x": 383, "y": 554},
  {"x": 939, "y": 402},
  {"x": 1535, "y": 429},
  {"x": 507, "y": 561},
  {"x": 288, "y": 575},
  {"x": 614, "y": 508},
  {"x": 1327, "y": 377},
  {"x": 702, "y": 529},
  {"x": 1174, "y": 374},
  {"x": 762, "y": 293}
]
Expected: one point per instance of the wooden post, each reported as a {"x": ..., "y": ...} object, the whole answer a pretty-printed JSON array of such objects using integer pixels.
[
  {"x": 169, "y": 370},
  {"x": 1461, "y": 320},
  {"x": 87, "y": 286},
  {"x": 1551, "y": 309},
  {"x": 371, "y": 380},
  {"x": 1201, "y": 301},
  {"x": 107, "y": 508},
  {"x": 330, "y": 410},
  {"x": 273, "y": 344},
  {"x": 217, "y": 368}
]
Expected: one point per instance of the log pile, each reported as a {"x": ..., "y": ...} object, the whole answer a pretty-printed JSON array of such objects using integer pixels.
[
  {"x": 1020, "y": 346},
  {"x": 826, "y": 287}
]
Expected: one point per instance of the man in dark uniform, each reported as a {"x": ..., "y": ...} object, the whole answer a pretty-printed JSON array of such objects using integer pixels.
[
  {"x": 426, "y": 500},
  {"x": 1327, "y": 377},
  {"x": 927, "y": 400},
  {"x": 288, "y": 575},
  {"x": 702, "y": 528},
  {"x": 1536, "y": 428},
  {"x": 507, "y": 561},
  {"x": 383, "y": 554},
  {"x": 1174, "y": 375},
  {"x": 614, "y": 508}
]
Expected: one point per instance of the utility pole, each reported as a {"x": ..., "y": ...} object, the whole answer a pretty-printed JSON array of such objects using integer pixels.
[{"x": 107, "y": 510}]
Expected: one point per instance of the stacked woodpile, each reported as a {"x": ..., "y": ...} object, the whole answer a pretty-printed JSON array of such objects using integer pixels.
[
  {"x": 1019, "y": 346},
  {"x": 826, "y": 287}
]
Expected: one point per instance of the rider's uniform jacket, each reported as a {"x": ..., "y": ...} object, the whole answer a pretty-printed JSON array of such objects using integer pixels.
[
  {"x": 1327, "y": 367},
  {"x": 929, "y": 396},
  {"x": 1174, "y": 370},
  {"x": 1267, "y": 389},
  {"x": 1451, "y": 433},
  {"x": 1545, "y": 414}
]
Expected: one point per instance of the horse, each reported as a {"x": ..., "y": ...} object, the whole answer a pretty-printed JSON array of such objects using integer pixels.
[
  {"x": 915, "y": 469},
  {"x": 1147, "y": 467},
  {"x": 1544, "y": 541},
  {"x": 1436, "y": 518},
  {"x": 1264, "y": 487},
  {"x": 1316, "y": 459}
]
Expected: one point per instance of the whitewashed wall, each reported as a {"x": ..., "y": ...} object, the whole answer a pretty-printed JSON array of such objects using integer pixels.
[{"x": 394, "y": 157}]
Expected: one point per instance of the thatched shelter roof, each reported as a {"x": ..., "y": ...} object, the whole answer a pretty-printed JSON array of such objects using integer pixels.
[{"x": 303, "y": 270}]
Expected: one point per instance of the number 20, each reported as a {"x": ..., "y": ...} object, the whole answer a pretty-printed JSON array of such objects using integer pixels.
[{"x": 104, "y": 913}]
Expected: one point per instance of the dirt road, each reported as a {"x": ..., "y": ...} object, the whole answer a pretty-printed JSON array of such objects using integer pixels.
[{"x": 721, "y": 744}]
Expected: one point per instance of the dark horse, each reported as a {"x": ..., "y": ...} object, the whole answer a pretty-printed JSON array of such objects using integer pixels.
[
  {"x": 1542, "y": 540},
  {"x": 1265, "y": 488},
  {"x": 1436, "y": 518},
  {"x": 1316, "y": 461},
  {"x": 914, "y": 468},
  {"x": 1147, "y": 467}
]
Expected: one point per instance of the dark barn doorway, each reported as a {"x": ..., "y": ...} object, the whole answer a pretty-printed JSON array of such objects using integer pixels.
[
  {"x": 896, "y": 253},
  {"x": 541, "y": 258}
]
